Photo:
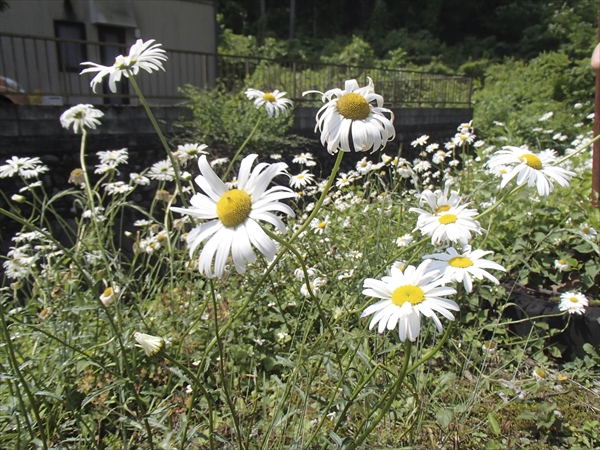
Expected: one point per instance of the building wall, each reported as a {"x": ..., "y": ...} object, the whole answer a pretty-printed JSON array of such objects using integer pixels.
[{"x": 179, "y": 25}]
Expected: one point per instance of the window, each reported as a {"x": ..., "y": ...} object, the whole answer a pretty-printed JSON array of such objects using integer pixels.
[{"x": 70, "y": 54}]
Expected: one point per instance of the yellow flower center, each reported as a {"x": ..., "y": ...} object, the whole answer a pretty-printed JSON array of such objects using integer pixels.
[
  {"x": 234, "y": 207},
  {"x": 574, "y": 299},
  {"x": 409, "y": 293},
  {"x": 503, "y": 171},
  {"x": 562, "y": 262},
  {"x": 442, "y": 209},
  {"x": 353, "y": 106},
  {"x": 160, "y": 237},
  {"x": 448, "y": 219},
  {"x": 322, "y": 225},
  {"x": 77, "y": 172},
  {"x": 585, "y": 230},
  {"x": 532, "y": 161},
  {"x": 462, "y": 262},
  {"x": 269, "y": 97},
  {"x": 107, "y": 292}
]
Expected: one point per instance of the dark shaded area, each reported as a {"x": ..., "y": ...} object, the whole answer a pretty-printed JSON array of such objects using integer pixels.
[{"x": 581, "y": 329}]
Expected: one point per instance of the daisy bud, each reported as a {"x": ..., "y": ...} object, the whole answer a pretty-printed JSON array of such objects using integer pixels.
[{"x": 150, "y": 344}]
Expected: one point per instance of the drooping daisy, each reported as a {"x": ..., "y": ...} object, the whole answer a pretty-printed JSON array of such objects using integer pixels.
[
  {"x": 24, "y": 167},
  {"x": 573, "y": 302},
  {"x": 454, "y": 224},
  {"x": 81, "y": 116},
  {"x": 420, "y": 141},
  {"x": 406, "y": 295},
  {"x": 302, "y": 179},
  {"x": 349, "y": 119},
  {"x": 142, "y": 55},
  {"x": 274, "y": 102},
  {"x": 461, "y": 267},
  {"x": 234, "y": 214},
  {"x": 150, "y": 344},
  {"x": 531, "y": 168}
]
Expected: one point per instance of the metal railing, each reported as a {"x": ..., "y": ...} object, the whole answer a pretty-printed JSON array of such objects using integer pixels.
[{"x": 45, "y": 66}]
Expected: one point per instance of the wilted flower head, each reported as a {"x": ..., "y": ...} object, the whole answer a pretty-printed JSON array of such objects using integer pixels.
[
  {"x": 81, "y": 116},
  {"x": 150, "y": 344}
]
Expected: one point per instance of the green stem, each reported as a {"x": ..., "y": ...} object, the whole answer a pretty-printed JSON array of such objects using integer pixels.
[
  {"x": 15, "y": 365},
  {"x": 222, "y": 369},
  {"x": 242, "y": 148},
  {"x": 161, "y": 136},
  {"x": 389, "y": 397},
  {"x": 197, "y": 384},
  {"x": 272, "y": 265}
]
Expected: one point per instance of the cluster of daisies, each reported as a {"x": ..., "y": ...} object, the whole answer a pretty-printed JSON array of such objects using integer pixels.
[{"x": 227, "y": 217}]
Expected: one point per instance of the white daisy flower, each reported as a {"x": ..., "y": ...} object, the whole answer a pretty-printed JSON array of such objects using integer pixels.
[
  {"x": 303, "y": 158},
  {"x": 588, "y": 231},
  {"x": 573, "y": 302},
  {"x": 113, "y": 157},
  {"x": 546, "y": 116},
  {"x": 439, "y": 157},
  {"x": 142, "y": 55},
  {"x": 350, "y": 120},
  {"x": 150, "y": 344},
  {"x": 275, "y": 156},
  {"x": 363, "y": 166},
  {"x": 117, "y": 187},
  {"x": 315, "y": 286},
  {"x": 406, "y": 295},
  {"x": 274, "y": 102},
  {"x": 461, "y": 267},
  {"x": 461, "y": 139},
  {"x": 421, "y": 166},
  {"x": 141, "y": 180},
  {"x": 420, "y": 141},
  {"x": 162, "y": 171},
  {"x": 439, "y": 201},
  {"x": 81, "y": 116},
  {"x": 531, "y": 168},
  {"x": 186, "y": 152},
  {"x": 109, "y": 295},
  {"x": 234, "y": 215},
  {"x": 454, "y": 224},
  {"x": 299, "y": 273},
  {"x": 24, "y": 167},
  {"x": 319, "y": 226},
  {"x": 405, "y": 240},
  {"x": 219, "y": 162},
  {"x": 561, "y": 265},
  {"x": 302, "y": 179},
  {"x": 343, "y": 180}
]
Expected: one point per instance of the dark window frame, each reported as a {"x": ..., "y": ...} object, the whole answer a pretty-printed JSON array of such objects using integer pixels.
[{"x": 70, "y": 54}]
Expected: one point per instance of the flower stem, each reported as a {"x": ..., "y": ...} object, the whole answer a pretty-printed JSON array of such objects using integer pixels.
[
  {"x": 161, "y": 136},
  {"x": 390, "y": 396},
  {"x": 242, "y": 147}
]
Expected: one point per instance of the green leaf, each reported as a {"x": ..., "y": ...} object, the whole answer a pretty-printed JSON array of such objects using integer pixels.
[
  {"x": 494, "y": 424},
  {"x": 103, "y": 389},
  {"x": 444, "y": 417}
]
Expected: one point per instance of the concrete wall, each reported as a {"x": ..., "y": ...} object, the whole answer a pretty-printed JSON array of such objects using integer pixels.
[{"x": 31, "y": 130}]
